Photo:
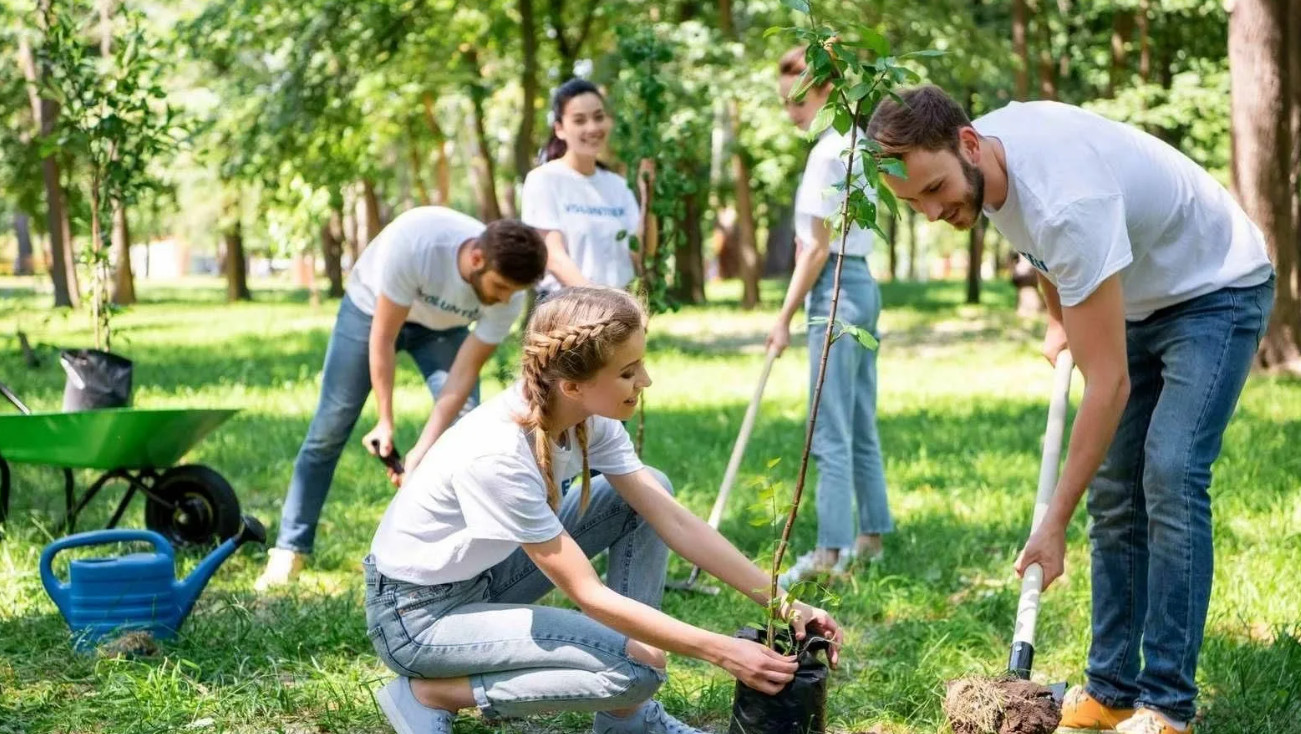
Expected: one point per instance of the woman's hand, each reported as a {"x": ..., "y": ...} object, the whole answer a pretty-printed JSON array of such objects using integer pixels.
[
  {"x": 757, "y": 666},
  {"x": 804, "y": 619},
  {"x": 646, "y": 174}
]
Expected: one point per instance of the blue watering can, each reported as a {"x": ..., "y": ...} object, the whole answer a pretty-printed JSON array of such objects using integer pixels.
[{"x": 136, "y": 592}]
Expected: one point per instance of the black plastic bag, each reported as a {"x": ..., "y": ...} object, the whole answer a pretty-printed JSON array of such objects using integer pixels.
[
  {"x": 95, "y": 380},
  {"x": 799, "y": 708}
]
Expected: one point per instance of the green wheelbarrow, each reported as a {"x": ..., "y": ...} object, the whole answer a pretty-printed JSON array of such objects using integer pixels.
[{"x": 187, "y": 504}]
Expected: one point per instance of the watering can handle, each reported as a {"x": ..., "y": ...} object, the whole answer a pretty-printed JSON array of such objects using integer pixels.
[{"x": 57, "y": 589}]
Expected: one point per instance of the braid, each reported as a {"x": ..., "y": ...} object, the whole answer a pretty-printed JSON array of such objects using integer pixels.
[
  {"x": 543, "y": 348},
  {"x": 580, "y": 432},
  {"x": 537, "y": 395}
]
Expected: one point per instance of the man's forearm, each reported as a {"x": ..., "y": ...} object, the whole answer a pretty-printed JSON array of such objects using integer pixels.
[
  {"x": 383, "y": 361},
  {"x": 1095, "y": 427}
]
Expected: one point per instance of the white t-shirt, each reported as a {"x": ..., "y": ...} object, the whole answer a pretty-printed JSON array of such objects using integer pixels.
[
  {"x": 1089, "y": 197},
  {"x": 816, "y": 197},
  {"x": 478, "y": 494},
  {"x": 412, "y": 261},
  {"x": 597, "y": 214}
]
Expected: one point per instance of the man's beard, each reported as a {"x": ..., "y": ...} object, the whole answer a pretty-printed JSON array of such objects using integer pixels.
[
  {"x": 476, "y": 282},
  {"x": 975, "y": 192}
]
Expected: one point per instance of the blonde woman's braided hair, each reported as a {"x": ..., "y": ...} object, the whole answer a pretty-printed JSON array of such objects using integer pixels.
[{"x": 570, "y": 337}]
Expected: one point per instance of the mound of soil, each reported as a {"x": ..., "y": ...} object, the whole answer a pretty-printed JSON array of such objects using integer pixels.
[{"x": 1002, "y": 706}]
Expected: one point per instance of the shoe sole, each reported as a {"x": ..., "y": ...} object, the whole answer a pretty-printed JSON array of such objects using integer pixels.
[
  {"x": 384, "y": 697},
  {"x": 1077, "y": 730}
]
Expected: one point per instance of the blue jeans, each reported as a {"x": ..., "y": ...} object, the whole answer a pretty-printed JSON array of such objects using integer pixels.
[
  {"x": 1150, "y": 504},
  {"x": 345, "y": 385},
  {"x": 523, "y": 658},
  {"x": 846, "y": 444}
]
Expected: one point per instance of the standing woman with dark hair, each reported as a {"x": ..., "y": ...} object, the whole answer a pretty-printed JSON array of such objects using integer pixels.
[
  {"x": 851, "y": 474},
  {"x": 586, "y": 211}
]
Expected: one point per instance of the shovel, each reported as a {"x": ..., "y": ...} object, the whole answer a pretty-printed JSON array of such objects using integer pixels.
[
  {"x": 729, "y": 477},
  {"x": 1027, "y": 613}
]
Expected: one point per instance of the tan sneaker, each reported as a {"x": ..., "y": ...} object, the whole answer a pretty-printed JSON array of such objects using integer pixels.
[
  {"x": 869, "y": 548},
  {"x": 1084, "y": 713},
  {"x": 283, "y": 567},
  {"x": 1147, "y": 721}
]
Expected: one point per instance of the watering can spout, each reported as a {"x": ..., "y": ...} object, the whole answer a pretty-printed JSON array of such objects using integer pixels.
[{"x": 188, "y": 589}]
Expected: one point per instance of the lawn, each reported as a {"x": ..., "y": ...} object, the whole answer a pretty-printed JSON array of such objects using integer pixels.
[{"x": 962, "y": 410}]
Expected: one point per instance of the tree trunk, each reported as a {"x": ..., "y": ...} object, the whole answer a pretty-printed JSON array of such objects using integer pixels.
[
  {"x": 23, "y": 231},
  {"x": 236, "y": 264},
  {"x": 892, "y": 246},
  {"x": 1021, "y": 49},
  {"x": 747, "y": 246},
  {"x": 1144, "y": 41},
  {"x": 332, "y": 252},
  {"x": 1262, "y": 151},
  {"x": 1026, "y": 280},
  {"x": 912, "y": 244},
  {"x": 689, "y": 276},
  {"x": 63, "y": 271},
  {"x": 525, "y": 142},
  {"x": 975, "y": 259},
  {"x": 568, "y": 48},
  {"x": 124, "y": 288},
  {"x": 1047, "y": 63},
  {"x": 417, "y": 176},
  {"x": 779, "y": 251},
  {"x": 482, "y": 166},
  {"x": 368, "y": 224},
  {"x": 725, "y": 17},
  {"x": 1122, "y": 29},
  {"x": 442, "y": 169}
]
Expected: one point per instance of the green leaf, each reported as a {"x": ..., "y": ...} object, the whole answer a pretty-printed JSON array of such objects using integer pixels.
[
  {"x": 862, "y": 336},
  {"x": 801, "y": 6},
  {"x": 774, "y": 462},
  {"x": 874, "y": 42},
  {"x": 925, "y": 53},
  {"x": 843, "y": 120},
  {"x": 858, "y": 91},
  {"x": 822, "y": 120},
  {"x": 894, "y": 167},
  {"x": 774, "y": 31}
]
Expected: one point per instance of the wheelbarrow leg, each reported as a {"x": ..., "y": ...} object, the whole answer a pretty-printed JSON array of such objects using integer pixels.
[
  {"x": 71, "y": 519},
  {"x": 135, "y": 483},
  {"x": 4, "y": 491},
  {"x": 70, "y": 513}
]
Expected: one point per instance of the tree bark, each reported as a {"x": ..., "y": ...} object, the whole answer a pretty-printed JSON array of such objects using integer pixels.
[
  {"x": 912, "y": 244},
  {"x": 442, "y": 169},
  {"x": 689, "y": 276},
  {"x": 124, "y": 288},
  {"x": 1047, "y": 63},
  {"x": 368, "y": 224},
  {"x": 1261, "y": 93},
  {"x": 975, "y": 258},
  {"x": 236, "y": 263},
  {"x": 63, "y": 271},
  {"x": 1144, "y": 41},
  {"x": 779, "y": 251},
  {"x": 417, "y": 176},
  {"x": 482, "y": 166},
  {"x": 1021, "y": 48},
  {"x": 332, "y": 252},
  {"x": 892, "y": 246},
  {"x": 1122, "y": 29},
  {"x": 23, "y": 231},
  {"x": 747, "y": 246},
  {"x": 525, "y": 136}
]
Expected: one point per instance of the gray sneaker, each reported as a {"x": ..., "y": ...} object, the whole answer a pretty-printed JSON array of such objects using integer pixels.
[
  {"x": 409, "y": 716},
  {"x": 651, "y": 718}
]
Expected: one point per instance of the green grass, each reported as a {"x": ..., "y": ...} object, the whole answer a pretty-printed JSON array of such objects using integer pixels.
[{"x": 962, "y": 410}]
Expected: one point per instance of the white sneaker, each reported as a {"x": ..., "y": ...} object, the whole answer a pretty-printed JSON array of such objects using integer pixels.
[
  {"x": 813, "y": 564},
  {"x": 283, "y": 567}
]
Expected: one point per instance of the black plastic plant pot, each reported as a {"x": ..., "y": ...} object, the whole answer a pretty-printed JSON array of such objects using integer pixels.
[
  {"x": 799, "y": 708},
  {"x": 95, "y": 380}
]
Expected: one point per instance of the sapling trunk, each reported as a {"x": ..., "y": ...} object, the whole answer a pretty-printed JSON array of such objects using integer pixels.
[{"x": 780, "y": 550}]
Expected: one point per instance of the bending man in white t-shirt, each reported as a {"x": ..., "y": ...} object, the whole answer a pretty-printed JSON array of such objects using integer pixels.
[
  {"x": 1161, "y": 288},
  {"x": 416, "y": 288},
  {"x": 506, "y": 508}
]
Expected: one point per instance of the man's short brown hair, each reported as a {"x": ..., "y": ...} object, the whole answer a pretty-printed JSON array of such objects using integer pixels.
[
  {"x": 514, "y": 250},
  {"x": 927, "y": 119}
]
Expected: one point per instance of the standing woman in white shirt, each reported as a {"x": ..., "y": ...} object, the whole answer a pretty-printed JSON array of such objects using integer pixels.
[
  {"x": 846, "y": 445},
  {"x": 504, "y": 508},
  {"x": 587, "y": 212}
]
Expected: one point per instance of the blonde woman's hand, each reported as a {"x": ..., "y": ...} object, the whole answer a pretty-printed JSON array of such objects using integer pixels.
[
  {"x": 757, "y": 666},
  {"x": 804, "y": 618}
]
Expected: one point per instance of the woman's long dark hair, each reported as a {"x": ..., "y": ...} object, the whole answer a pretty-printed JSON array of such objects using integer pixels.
[{"x": 555, "y": 147}]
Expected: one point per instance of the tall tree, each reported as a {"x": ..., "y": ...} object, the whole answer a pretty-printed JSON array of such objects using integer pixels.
[
  {"x": 124, "y": 289},
  {"x": 45, "y": 111},
  {"x": 1021, "y": 49},
  {"x": 1261, "y": 58},
  {"x": 570, "y": 44},
  {"x": 525, "y": 136},
  {"x": 23, "y": 231}
]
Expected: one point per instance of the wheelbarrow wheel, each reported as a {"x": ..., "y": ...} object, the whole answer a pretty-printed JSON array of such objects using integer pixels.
[{"x": 192, "y": 505}]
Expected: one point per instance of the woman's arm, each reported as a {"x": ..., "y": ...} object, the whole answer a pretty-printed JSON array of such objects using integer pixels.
[
  {"x": 808, "y": 266},
  {"x": 559, "y": 262},
  {"x": 564, "y": 562}
]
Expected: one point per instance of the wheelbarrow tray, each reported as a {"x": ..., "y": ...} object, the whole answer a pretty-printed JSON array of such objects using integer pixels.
[{"x": 115, "y": 438}]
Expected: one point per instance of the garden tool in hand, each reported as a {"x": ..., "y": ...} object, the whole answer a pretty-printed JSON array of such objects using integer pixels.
[
  {"x": 729, "y": 477},
  {"x": 1027, "y": 612}
]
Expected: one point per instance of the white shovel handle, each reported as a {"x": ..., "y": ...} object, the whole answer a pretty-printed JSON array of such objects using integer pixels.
[
  {"x": 1027, "y": 611},
  {"x": 738, "y": 450}
]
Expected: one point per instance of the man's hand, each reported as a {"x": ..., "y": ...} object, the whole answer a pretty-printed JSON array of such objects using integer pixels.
[
  {"x": 779, "y": 337},
  {"x": 1047, "y": 547},
  {"x": 379, "y": 441},
  {"x": 1054, "y": 341},
  {"x": 804, "y": 618}
]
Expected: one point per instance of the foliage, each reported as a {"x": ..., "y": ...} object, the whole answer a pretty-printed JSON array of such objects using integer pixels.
[{"x": 115, "y": 118}]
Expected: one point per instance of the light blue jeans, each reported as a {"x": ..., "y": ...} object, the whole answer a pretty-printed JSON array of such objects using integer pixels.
[
  {"x": 523, "y": 658},
  {"x": 1150, "y": 502},
  {"x": 345, "y": 385},
  {"x": 845, "y": 440}
]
